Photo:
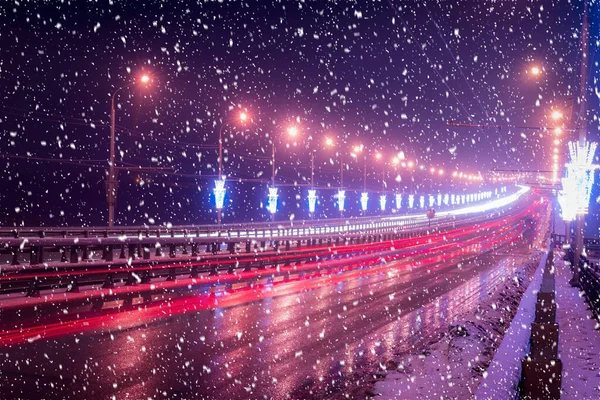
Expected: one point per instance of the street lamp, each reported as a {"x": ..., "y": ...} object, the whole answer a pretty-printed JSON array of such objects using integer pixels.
[{"x": 112, "y": 180}]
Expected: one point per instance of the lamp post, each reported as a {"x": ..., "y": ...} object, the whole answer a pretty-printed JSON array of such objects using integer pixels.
[
  {"x": 293, "y": 132},
  {"x": 364, "y": 196},
  {"x": 219, "y": 190},
  {"x": 112, "y": 180}
]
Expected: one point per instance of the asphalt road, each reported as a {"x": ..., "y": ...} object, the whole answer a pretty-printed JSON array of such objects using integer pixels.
[{"x": 313, "y": 338}]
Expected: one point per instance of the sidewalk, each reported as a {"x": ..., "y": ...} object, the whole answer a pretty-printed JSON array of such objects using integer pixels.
[{"x": 579, "y": 341}]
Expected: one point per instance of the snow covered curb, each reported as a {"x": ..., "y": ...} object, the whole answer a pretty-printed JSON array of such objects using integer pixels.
[{"x": 502, "y": 377}]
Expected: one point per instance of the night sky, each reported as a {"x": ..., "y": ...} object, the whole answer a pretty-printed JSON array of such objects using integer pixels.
[{"x": 387, "y": 74}]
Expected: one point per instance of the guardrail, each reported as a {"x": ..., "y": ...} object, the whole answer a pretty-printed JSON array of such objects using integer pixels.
[
  {"x": 82, "y": 244},
  {"x": 34, "y": 278},
  {"x": 590, "y": 283}
]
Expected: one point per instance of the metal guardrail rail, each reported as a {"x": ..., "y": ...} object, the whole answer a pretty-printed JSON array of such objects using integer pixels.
[{"x": 590, "y": 283}]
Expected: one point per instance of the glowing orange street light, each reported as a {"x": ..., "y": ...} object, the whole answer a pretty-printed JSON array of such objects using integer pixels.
[
  {"x": 441, "y": 172},
  {"x": 243, "y": 116},
  {"x": 535, "y": 71},
  {"x": 454, "y": 174},
  {"x": 329, "y": 142},
  {"x": 410, "y": 164},
  {"x": 558, "y": 130},
  {"x": 292, "y": 131},
  {"x": 145, "y": 79}
]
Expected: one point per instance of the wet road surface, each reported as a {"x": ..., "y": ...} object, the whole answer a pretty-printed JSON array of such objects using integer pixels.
[{"x": 311, "y": 338}]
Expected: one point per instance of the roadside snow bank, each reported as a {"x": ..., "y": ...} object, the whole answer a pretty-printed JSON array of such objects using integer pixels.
[{"x": 452, "y": 366}]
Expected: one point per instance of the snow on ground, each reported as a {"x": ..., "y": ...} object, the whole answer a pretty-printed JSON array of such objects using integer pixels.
[
  {"x": 578, "y": 342},
  {"x": 452, "y": 366}
]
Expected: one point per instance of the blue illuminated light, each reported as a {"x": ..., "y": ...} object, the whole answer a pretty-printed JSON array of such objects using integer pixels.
[
  {"x": 422, "y": 201},
  {"x": 364, "y": 200},
  {"x": 398, "y": 201},
  {"x": 411, "y": 200},
  {"x": 341, "y": 199},
  {"x": 382, "y": 202},
  {"x": 312, "y": 200},
  {"x": 272, "y": 206},
  {"x": 219, "y": 193}
]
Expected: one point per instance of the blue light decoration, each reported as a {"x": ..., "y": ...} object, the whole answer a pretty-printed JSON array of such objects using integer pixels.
[
  {"x": 422, "y": 201},
  {"x": 411, "y": 200},
  {"x": 398, "y": 201},
  {"x": 452, "y": 199},
  {"x": 382, "y": 202},
  {"x": 462, "y": 199},
  {"x": 312, "y": 200},
  {"x": 364, "y": 200},
  {"x": 219, "y": 193},
  {"x": 439, "y": 200},
  {"x": 446, "y": 199},
  {"x": 341, "y": 199},
  {"x": 272, "y": 206},
  {"x": 431, "y": 201}
]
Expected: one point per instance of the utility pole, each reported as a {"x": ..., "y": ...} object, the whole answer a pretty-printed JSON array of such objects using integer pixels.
[{"x": 580, "y": 219}]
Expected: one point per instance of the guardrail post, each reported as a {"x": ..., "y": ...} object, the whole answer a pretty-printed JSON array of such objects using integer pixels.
[
  {"x": 194, "y": 249},
  {"x": 287, "y": 245},
  {"x": 33, "y": 290},
  {"x": 172, "y": 275},
  {"x": 74, "y": 257},
  {"x": 194, "y": 272},
  {"x": 133, "y": 251},
  {"x": 131, "y": 281},
  {"x": 73, "y": 286},
  {"x": 185, "y": 235},
  {"x": 214, "y": 270},
  {"x": 109, "y": 282},
  {"x": 231, "y": 247},
  {"x": 146, "y": 277},
  {"x": 172, "y": 251},
  {"x": 85, "y": 256},
  {"x": 15, "y": 255},
  {"x": 122, "y": 253},
  {"x": 33, "y": 255},
  {"x": 146, "y": 253}
]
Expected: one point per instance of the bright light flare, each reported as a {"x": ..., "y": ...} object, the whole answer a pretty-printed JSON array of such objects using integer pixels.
[
  {"x": 145, "y": 79},
  {"x": 535, "y": 71},
  {"x": 556, "y": 115}
]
